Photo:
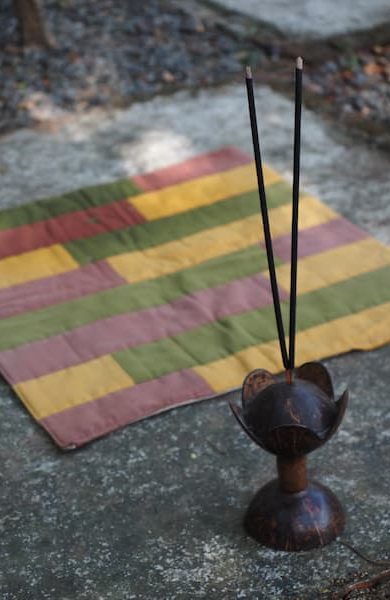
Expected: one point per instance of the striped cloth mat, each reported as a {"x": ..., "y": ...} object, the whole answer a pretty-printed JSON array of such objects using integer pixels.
[{"x": 120, "y": 301}]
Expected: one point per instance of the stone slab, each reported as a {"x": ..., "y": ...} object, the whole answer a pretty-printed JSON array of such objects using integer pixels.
[
  {"x": 154, "y": 510},
  {"x": 314, "y": 18}
]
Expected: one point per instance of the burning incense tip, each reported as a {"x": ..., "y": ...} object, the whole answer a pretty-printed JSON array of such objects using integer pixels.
[
  {"x": 248, "y": 72},
  {"x": 300, "y": 63}
]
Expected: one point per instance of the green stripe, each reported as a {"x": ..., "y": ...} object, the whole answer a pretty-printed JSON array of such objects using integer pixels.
[
  {"x": 153, "y": 233},
  {"x": 67, "y": 203},
  {"x": 39, "y": 324},
  {"x": 232, "y": 334},
  {"x": 277, "y": 194}
]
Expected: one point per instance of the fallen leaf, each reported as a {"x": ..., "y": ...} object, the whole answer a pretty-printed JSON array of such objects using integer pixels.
[
  {"x": 372, "y": 69},
  {"x": 347, "y": 75}
]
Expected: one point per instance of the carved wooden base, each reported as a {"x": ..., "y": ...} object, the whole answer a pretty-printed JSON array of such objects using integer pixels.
[{"x": 294, "y": 521}]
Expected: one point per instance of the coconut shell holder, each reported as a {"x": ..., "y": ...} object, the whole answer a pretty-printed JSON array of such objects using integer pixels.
[{"x": 291, "y": 418}]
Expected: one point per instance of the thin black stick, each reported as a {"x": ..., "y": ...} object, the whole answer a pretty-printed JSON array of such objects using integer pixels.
[
  {"x": 294, "y": 226},
  {"x": 264, "y": 214}
]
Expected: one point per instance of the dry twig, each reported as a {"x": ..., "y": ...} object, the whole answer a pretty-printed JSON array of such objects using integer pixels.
[
  {"x": 379, "y": 563},
  {"x": 365, "y": 584}
]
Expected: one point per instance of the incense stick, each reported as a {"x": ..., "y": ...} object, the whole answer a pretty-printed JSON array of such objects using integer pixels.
[
  {"x": 295, "y": 197},
  {"x": 264, "y": 214}
]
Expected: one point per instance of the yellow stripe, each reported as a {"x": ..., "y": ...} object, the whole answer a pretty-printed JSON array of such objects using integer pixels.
[
  {"x": 35, "y": 265},
  {"x": 217, "y": 241},
  {"x": 200, "y": 192},
  {"x": 70, "y": 387},
  {"x": 365, "y": 330},
  {"x": 227, "y": 373},
  {"x": 332, "y": 266}
]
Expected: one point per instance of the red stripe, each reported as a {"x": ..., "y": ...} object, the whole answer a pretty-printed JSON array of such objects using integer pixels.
[
  {"x": 207, "y": 164},
  {"x": 68, "y": 227},
  {"x": 79, "y": 425},
  {"x": 132, "y": 329},
  {"x": 319, "y": 238},
  {"x": 116, "y": 215},
  {"x": 88, "y": 279}
]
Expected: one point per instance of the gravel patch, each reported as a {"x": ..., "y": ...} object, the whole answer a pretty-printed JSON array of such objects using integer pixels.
[
  {"x": 356, "y": 83},
  {"x": 108, "y": 54}
]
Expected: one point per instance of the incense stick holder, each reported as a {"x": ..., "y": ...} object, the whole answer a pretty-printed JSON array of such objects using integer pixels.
[{"x": 291, "y": 419}]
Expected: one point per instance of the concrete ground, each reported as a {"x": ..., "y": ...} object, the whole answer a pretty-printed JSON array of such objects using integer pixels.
[
  {"x": 154, "y": 511},
  {"x": 313, "y": 18}
]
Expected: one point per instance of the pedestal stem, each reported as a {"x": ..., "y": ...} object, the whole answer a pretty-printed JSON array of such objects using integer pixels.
[{"x": 292, "y": 474}]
